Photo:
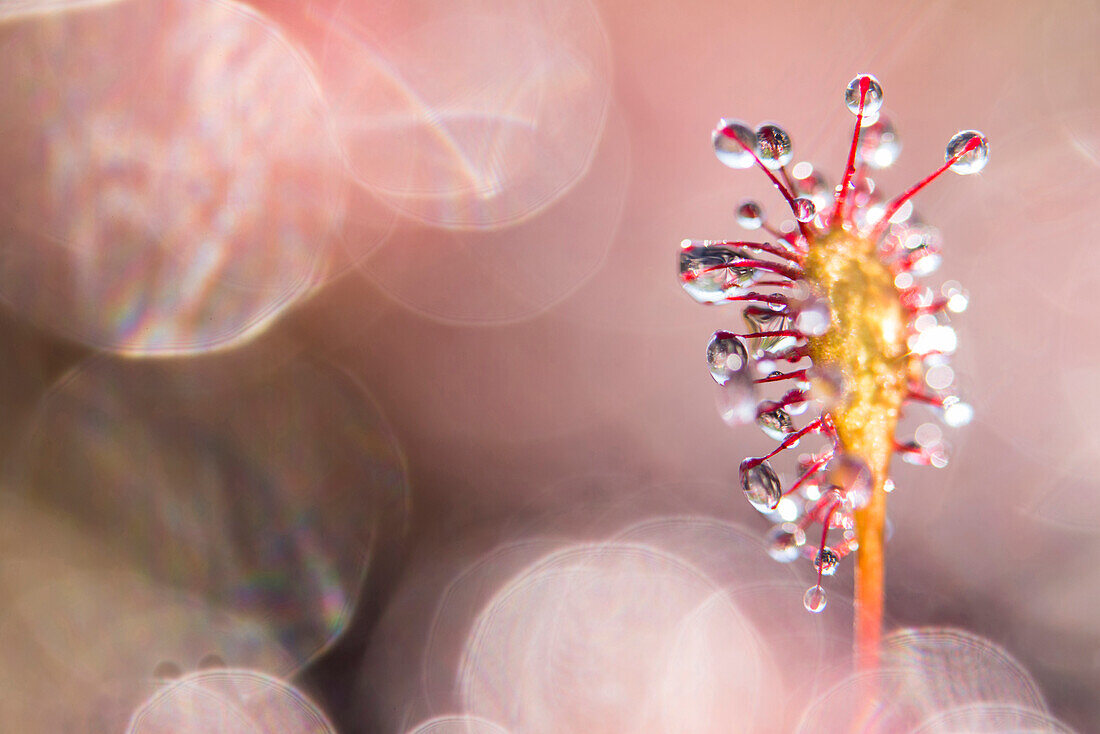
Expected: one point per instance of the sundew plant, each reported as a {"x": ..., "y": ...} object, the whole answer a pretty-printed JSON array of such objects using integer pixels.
[{"x": 843, "y": 336}]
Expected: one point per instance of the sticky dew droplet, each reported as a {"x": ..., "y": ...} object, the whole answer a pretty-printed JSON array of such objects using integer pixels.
[
  {"x": 773, "y": 146},
  {"x": 872, "y": 98},
  {"x": 784, "y": 542},
  {"x": 974, "y": 159},
  {"x": 814, "y": 599},
  {"x": 760, "y": 485},
  {"x": 734, "y": 142},
  {"x": 726, "y": 355},
  {"x": 750, "y": 215}
]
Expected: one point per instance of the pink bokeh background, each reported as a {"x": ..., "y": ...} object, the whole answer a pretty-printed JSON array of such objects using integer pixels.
[{"x": 458, "y": 221}]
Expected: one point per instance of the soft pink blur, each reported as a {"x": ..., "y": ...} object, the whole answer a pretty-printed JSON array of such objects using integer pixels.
[{"x": 463, "y": 216}]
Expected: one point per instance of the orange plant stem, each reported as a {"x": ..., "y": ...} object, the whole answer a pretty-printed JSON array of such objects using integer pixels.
[{"x": 870, "y": 581}]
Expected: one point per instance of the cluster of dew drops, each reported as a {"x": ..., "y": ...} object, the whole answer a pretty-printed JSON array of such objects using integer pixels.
[{"x": 782, "y": 310}]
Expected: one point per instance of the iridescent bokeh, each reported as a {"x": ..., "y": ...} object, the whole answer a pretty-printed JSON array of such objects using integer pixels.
[
  {"x": 170, "y": 183},
  {"x": 228, "y": 702},
  {"x": 226, "y": 510},
  {"x": 460, "y": 113},
  {"x": 345, "y": 381}
]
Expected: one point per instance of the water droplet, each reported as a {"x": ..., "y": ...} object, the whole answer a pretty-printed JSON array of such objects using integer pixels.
[
  {"x": 941, "y": 339},
  {"x": 901, "y": 216},
  {"x": 872, "y": 98},
  {"x": 852, "y": 477},
  {"x": 761, "y": 485},
  {"x": 814, "y": 316},
  {"x": 937, "y": 456},
  {"x": 737, "y": 400},
  {"x": 888, "y": 486},
  {"x": 785, "y": 541},
  {"x": 826, "y": 561},
  {"x": 726, "y": 354},
  {"x": 804, "y": 209},
  {"x": 827, "y": 385},
  {"x": 957, "y": 297},
  {"x": 814, "y": 599},
  {"x": 796, "y": 403},
  {"x": 750, "y": 215},
  {"x": 925, "y": 321},
  {"x": 956, "y": 413},
  {"x": 773, "y": 146},
  {"x": 810, "y": 183},
  {"x": 703, "y": 273},
  {"x": 879, "y": 145},
  {"x": 788, "y": 510},
  {"x": 939, "y": 376},
  {"x": 928, "y": 434},
  {"x": 774, "y": 421},
  {"x": 765, "y": 367},
  {"x": 802, "y": 171},
  {"x": 974, "y": 159},
  {"x": 734, "y": 142},
  {"x": 923, "y": 260},
  {"x": 763, "y": 318}
]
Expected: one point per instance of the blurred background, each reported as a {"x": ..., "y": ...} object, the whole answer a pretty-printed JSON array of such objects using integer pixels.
[{"x": 347, "y": 384}]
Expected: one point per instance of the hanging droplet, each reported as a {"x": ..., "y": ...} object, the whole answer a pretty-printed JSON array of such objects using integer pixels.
[
  {"x": 923, "y": 259},
  {"x": 726, "y": 354},
  {"x": 957, "y": 297},
  {"x": 785, "y": 541},
  {"x": 976, "y": 155},
  {"x": 827, "y": 385},
  {"x": 761, "y": 485},
  {"x": 928, "y": 434},
  {"x": 956, "y": 413},
  {"x": 879, "y": 145},
  {"x": 774, "y": 421},
  {"x": 796, "y": 402},
  {"x": 939, "y": 339},
  {"x": 773, "y": 146},
  {"x": 705, "y": 273},
  {"x": 734, "y": 142},
  {"x": 804, "y": 209},
  {"x": 764, "y": 318},
  {"x": 809, "y": 182},
  {"x": 814, "y": 316},
  {"x": 851, "y": 476},
  {"x": 871, "y": 90},
  {"x": 737, "y": 400},
  {"x": 750, "y": 215},
  {"x": 814, "y": 599},
  {"x": 826, "y": 561}
]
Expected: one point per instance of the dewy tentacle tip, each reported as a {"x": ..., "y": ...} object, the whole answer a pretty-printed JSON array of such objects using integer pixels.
[{"x": 839, "y": 323}]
